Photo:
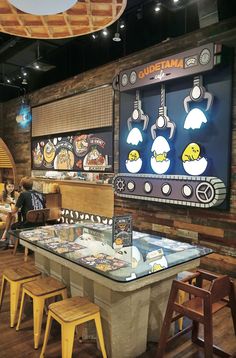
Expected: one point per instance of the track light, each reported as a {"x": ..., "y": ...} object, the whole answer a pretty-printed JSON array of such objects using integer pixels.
[
  {"x": 122, "y": 24},
  {"x": 117, "y": 38},
  {"x": 105, "y": 32},
  {"x": 157, "y": 7}
]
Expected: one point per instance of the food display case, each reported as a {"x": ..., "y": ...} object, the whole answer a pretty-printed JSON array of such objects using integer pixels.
[
  {"x": 130, "y": 284},
  {"x": 90, "y": 245}
]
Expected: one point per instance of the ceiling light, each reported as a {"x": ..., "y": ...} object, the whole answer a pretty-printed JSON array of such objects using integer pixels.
[
  {"x": 36, "y": 66},
  {"x": 157, "y": 7},
  {"x": 122, "y": 24},
  {"x": 105, "y": 32},
  {"x": 175, "y": 1},
  {"x": 117, "y": 38},
  {"x": 8, "y": 80},
  {"x": 94, "y": 36},
  {"x": 24, "y": 81},
  {"x": 43, "y": 7}
]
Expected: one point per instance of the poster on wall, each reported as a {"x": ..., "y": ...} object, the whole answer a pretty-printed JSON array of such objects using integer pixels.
[
  {"x": 77, "y": 152},
  {"x": 175, "y": 129}
]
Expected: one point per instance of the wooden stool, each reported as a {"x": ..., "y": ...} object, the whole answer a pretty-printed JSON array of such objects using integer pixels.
[
  {"x": 200, "y": 307},
  {"x": 71, "y": 313},
  {"x": 16, "y": 277},
  {"x": 39, "y": 291}
]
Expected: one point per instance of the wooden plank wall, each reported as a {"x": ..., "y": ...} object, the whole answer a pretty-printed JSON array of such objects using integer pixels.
[{"x": 213, "y": 228}]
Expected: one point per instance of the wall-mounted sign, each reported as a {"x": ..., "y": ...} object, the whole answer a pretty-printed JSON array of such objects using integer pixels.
[
  {"x": 186, "y": 63},
  {"x": 184, "y": 155},
  {"x": 77, "y": 152}
]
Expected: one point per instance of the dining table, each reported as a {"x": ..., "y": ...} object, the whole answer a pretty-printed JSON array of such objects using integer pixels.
[{"x": 130, "y": 284}]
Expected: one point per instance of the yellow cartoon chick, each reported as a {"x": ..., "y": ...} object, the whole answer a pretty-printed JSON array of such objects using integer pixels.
[
  {"x": 160, "y": 157},
  {"x": 133, "y": 155},
  {"x": 191, "y": 152}
]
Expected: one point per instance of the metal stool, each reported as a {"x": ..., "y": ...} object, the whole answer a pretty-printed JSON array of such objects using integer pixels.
[
  {"x": 16, "y": 278},
  {"x": 202, "y": 303},
  {"x": 39, "y": 291},
  {"x": 71, "y": 313}
]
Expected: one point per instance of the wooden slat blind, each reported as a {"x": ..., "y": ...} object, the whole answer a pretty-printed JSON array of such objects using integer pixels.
[
  {"x": 4, "y": 159},
  {"x": 91, "y": 109}
]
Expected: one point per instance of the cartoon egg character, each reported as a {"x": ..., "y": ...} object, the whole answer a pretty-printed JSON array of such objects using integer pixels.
[
  {"x": 193, "y": 163},
  {"x": 134, "y": 162},
  {"x": 191, "y": 152},
  {"x": 159, "y": 161}
]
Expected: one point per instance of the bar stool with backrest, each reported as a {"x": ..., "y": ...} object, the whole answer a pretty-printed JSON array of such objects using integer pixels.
[
  {"x": 200, "y": 306},
  {"x": 39, "y": 291},
  {"x": 71, "y": 313},
  {"x": 16, "y": 277},
  {"x": 37, "y": 217}
]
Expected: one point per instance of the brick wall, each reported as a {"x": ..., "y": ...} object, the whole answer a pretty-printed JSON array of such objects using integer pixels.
[{"x": 212, "y": 228}]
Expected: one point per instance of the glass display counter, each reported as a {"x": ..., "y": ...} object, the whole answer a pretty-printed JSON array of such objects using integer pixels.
[
  {"x": 131, "y": 284},
  {"x": 90, "y": 245}
]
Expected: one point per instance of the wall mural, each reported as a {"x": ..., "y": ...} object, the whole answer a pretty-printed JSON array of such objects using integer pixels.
[
  {"x": 175, "y": 129},
  {"x": 77, "y": 152}
]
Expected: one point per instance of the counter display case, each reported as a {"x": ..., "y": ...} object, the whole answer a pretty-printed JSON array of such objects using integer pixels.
[
  {"x": 90, "y": 245},
  {"x": 131, "y": 285}
]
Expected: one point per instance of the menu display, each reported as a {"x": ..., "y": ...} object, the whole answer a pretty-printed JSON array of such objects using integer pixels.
[{"x": 83, "y": 152}]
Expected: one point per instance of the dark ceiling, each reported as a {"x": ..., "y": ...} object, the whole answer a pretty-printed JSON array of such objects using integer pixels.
[{"x": 61, "y": 59}]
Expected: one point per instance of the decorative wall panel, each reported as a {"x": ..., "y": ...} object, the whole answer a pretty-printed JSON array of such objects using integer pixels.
[{"x": 90, "y": 109}]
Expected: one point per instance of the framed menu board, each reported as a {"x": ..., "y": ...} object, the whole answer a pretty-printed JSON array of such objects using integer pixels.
[{"x": 81, "y": 151}]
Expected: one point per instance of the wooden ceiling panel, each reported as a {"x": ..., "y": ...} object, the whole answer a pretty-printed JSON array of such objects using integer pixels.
[{"x": 85, "y": 17}]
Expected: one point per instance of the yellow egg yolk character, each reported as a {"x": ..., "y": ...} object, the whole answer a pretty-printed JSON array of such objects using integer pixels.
[
  {"x": 191, "y": 152},
  {"x": 133, "y": 155}
]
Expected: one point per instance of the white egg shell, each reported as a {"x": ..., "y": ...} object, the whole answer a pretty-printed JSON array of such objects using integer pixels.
[
  {"x": 134, "y": 136},
  {"x": 134, "y": 166},
  {"x": 194, "y": 119},
  {"x": 160, "y": 167},
  {"x": 160, "y": 145},
  {"x": 195, "y": 167}
]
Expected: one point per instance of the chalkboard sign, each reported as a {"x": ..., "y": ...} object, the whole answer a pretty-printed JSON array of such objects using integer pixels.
[{"x": 76, "y": 152}]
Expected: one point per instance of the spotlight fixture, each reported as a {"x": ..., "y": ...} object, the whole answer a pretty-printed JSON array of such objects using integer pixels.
[
  {"x": 122, "y": 24},
  {"x": 94, "y": 36},
  {"x": 139, "y": 13},
  {"x": 175, "y": 1},
  {"x": 105, "y": 32},
  {"x": 157, "y": 7},
  {"x": 116, "y": 37},
  {"x": 8, "y": 80},
  {"x": 24, "y": 81}
]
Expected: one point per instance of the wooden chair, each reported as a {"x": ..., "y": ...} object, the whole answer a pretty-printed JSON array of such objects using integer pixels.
[
  {"x": 200, "y": 306},
  {"x": 37, "y": 217},
  {"x": 16, "y": 278},
  {"x": 71, "y": 313},
  {"x": 40, "y": 290}
]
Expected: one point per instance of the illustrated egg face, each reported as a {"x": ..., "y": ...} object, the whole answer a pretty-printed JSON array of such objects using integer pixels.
[
  {"x": 134, "y": 162},
  {"x": 191, "y": 152},
  {"x": 159, "y": 161},
  {"x": 195, "y": 167}
]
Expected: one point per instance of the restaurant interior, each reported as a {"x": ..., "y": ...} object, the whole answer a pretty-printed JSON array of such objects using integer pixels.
[{"x": 117, "y": 178}]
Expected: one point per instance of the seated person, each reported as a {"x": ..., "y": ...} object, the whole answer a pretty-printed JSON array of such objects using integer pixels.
[
  {"x": 8, "y": 196},
  {"x": 28, "y": 200}
]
